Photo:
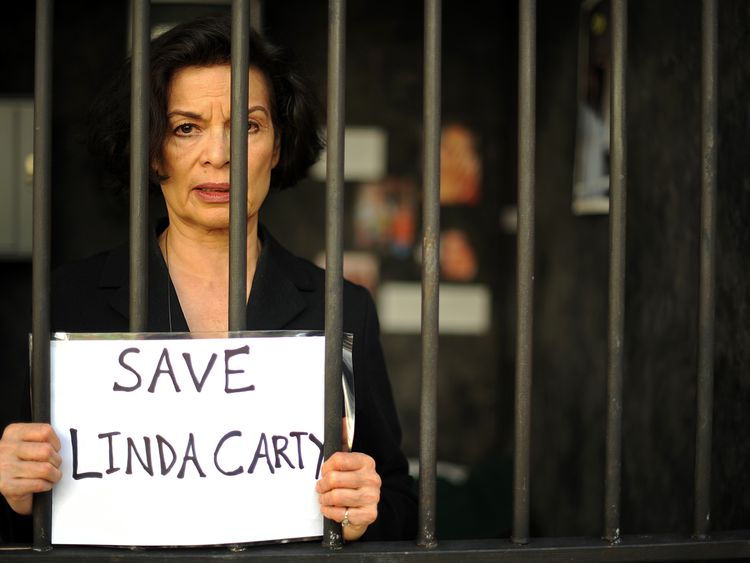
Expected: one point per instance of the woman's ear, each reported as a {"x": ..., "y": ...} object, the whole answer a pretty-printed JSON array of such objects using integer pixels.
[{"x": 154, "y": 164}]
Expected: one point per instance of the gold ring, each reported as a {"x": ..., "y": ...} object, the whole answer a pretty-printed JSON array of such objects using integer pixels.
[{"x": 345, "y": 521}]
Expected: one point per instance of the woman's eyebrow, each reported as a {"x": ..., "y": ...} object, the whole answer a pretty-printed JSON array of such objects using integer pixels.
[
  {"x": 257, "y": 108},
  {"x": 193, "y": 115},
  {"x": 184, "y": 113}
]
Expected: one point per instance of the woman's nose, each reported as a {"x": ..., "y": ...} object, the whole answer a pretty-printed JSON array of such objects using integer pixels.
[{"x": 216, "y": 150}]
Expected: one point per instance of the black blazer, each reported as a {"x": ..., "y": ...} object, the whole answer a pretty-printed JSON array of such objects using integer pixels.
[{"x": 287, "y": 293}]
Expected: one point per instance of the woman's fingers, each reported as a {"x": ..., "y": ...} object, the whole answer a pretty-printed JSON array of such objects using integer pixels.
[
  {"x": 22, "y": 486},
  {"x": 39, "y": 451},
  {"x": 347, "y": 461},
  {"x": 357, "y": 517},
  {"x": 33, "y": 470},
  {"x": 352, "y": 479},
  {"x": 29, "y": 463},
  {"x": 31, "y": 432},
  {"x": 351, "y": 497},
  {"x": 349, "y": 492},
  {"x": 348, "y": 470}
]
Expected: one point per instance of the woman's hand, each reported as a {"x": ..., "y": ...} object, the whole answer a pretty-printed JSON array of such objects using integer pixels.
[
  {"x": 349, "y": 487},
  {"x": 29, "y": 463}
]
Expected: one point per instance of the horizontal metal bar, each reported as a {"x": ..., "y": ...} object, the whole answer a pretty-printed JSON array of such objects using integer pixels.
[{"x": 722, "y": 545}]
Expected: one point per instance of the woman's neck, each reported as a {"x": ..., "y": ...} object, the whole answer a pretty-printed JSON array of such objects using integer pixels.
[
  {"x": 205, "y": 252},
  {"x": 198, "y": 265}
]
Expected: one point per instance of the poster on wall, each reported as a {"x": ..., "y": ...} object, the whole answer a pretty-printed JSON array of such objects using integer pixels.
[
  {"x": 460, "y": 166},
  {"x": 385, "y": 217},
  {"x": 591, "y": 169},
  {"x": 187, "y": 441}
]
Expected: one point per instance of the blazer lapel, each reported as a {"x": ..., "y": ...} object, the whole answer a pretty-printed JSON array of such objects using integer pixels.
[
  {"x": 276, "y": 297},
  {"x": 164, "y": 312}
]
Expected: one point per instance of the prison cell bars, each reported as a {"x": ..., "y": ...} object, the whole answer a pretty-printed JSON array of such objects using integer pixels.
[
  {"x": 705, "y": 384},
  {"x": 139, "y": 165},
  {"x": 42, "y": 512},
  {"x": 430, "y": 275},
  {"x": 722, "y": 544},
  {"x": 525, "y": 268},
  {"x": 616, "y": 329},
  {"x": 238, "y": 167},
  {"x": 334, "y": 306}
]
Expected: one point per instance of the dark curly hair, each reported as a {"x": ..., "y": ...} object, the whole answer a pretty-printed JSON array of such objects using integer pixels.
[{"x": 295, "y": 111}]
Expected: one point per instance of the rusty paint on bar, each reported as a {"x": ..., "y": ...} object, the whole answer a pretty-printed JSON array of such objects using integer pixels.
[
  {"x": 426, "y": 536},
  {"x": 238, "y": 167},
  {"x": 332, "y": 533},
  {"x": 40, "y": 364},
  {"x": 705, "y": 386},
  {"x": 616, "y": 329},
  {"x": 139, "y": 166},
  {"x": 525, "y": 259}
]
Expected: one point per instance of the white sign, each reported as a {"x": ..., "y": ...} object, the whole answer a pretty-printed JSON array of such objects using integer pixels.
[
  {"x": 464, "y": 308},
  {"x": 365, "y": 155},
  {"x": 187, "y": 441}
]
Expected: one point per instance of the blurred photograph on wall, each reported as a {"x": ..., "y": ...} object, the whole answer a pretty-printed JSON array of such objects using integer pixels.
[
  {"x": 591, "y": 170},
  {"x": 460, "y": 166}
]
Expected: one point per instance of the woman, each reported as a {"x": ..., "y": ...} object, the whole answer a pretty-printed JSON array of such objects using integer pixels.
[{"x": 368, "y": 490}]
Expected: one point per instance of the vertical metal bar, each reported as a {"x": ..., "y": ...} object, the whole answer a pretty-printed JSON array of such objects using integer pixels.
[
  {"x": 42, "y": 518},
  {"x": 616, "y": 329},
  {"x": 139, "y": 166},
  {"x": 525, "y": 259},
  {"x": 430, "y": 274},
  {"x": 238, "y": 167},
  {"x": 705, "y": 388},
  {"x": 334, "y": 242}
]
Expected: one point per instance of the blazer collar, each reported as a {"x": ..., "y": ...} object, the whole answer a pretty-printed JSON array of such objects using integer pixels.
[
  {"x": 276, "y": 297},
  {"x": 280, "y": 281}
]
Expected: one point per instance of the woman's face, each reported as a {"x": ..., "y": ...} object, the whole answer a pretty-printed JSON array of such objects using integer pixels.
[{"x": 195, "y": 157}]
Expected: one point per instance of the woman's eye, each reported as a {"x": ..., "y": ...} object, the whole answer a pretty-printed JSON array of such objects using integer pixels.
[
  {"x": 185, "y": 129},
  {"x": 252, "y": 127}
]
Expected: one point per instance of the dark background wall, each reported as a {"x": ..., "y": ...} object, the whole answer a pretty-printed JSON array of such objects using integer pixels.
[{"x": 384, "y": 83}]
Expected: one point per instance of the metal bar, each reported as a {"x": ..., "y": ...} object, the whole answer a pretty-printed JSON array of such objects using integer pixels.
[
  {"x": 40, "y": 364},
  {"x": 616, "y": 329},
  {"x": 332, "y": 534},
  {"x": 430, "y": 276},
  {"x": 723, "y": 546},
  {"x": 525, "y": 259},
  {"x": 139, "y": 166},
  {"x": 705, "y": 387},
  {"x": 238, "y": 167}
]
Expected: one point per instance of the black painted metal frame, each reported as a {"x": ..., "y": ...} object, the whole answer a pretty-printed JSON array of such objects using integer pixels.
[
  {"x": 704, "y": 545},
  {"x": 725, "y": 545}
]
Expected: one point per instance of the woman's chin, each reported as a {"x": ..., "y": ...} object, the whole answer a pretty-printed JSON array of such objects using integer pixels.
[{"x": 213, "y": 222}]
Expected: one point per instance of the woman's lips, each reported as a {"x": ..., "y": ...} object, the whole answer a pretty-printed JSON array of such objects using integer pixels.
[{"x": 212, "y": 192}]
